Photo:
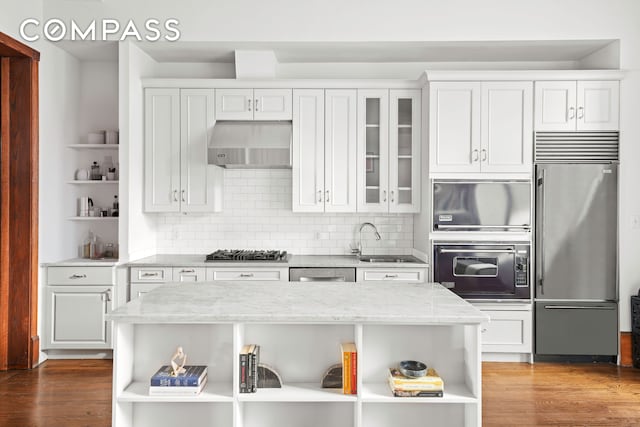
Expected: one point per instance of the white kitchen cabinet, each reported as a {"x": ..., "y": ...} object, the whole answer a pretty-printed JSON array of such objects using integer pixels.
[
  {"x": 577, "y": 105},
  {"x": 248, "y": 274},
  {"x": 480, "y": 127},
  {"x": 177, "y": 175},
  {"x": 253, "y": 104},
  {"x": 77, "y": 300},
  {"x": 324, "y": 150},
  {"x": 508, "y": 332},
  {"x": 388, "y": 169},
  {"x": 136, "y": 290},
  {"x": 408, "y": 274}
]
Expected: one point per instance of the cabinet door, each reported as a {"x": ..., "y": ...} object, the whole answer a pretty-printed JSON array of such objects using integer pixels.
[
  {"x": 340, "y": 148},
  {"x": 404, "y": 151},
  {"x": 555, "y": 106},
  {"x": 507, "y": 332},
  {"x": 198, "y": 182},
  {"x": 234, "y": 104},
  {"x": 506, "y": 142},
  {"x": 76, "y": 317},
  {"x": 308, "y": 150},
  {"x": 272, "y": 104},
  {"x": 373, "y": 150},
  {"x": 454, "y": 127},
  {"x": 162, "y": 150},
  {"x": 598, "y": 105}
]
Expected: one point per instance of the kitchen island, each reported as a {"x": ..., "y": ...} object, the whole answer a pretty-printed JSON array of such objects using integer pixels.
[{"x": 299, "y": 328}]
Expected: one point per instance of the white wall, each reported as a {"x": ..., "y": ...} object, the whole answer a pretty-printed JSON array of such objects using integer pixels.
[{"x": 257, "y": 215}]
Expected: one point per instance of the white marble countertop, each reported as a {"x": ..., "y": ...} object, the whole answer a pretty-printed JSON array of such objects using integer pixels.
[
  {"x": 81, "y": 262},
  {"x": 294, "y": 261},
  {"x": 223, "y": 302}
]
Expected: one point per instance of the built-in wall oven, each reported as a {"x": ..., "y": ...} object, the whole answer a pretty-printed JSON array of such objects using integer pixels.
[{"x": 484, "y": 270}]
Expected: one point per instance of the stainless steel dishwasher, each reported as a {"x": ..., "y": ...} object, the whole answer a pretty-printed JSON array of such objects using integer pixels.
[{"x": 322, "y": 274}]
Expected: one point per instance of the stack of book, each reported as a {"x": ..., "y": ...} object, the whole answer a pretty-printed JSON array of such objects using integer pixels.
[
  {"x": 349, "y": 368},
  {"x": 429, "y": 385},
  {"x": 249, "y": 359},
  {"x": 189, "y": 383}
]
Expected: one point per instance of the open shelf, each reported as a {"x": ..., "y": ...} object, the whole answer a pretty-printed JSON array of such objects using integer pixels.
[
  {"x": 380, "y": 392},
  {"x": 93, "y": 218},
  {"x": 212, "y": 392},
  {"x": 94, "y": 146},
  {"x": 298, "y": 392}
]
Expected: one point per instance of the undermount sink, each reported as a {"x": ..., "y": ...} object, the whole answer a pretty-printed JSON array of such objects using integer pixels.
[{"x": 389, "y": 258}]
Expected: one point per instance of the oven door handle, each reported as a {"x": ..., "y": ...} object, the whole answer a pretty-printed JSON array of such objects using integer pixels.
[
  {"x": 457, "y": 226},
  {"x": 477, "y": 251}
]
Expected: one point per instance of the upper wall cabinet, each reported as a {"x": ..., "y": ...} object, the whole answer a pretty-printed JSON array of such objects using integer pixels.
[
  {"x": 253, "y": 104},
  {"x": 177, "y": 176},
  {"x": 577, "y": 105},
  {"x": 324, "y": 150},
  {"x": 480, "y": 127},
  {"x": 388, "y": 169}
]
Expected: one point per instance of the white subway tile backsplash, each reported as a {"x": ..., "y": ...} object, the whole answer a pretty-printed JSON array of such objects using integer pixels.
[{"x": 257, "y": 215}]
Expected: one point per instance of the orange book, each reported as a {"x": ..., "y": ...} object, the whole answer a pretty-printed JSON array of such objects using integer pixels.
[
  {"x": 348, "y": 368},
  {"x": 354, "y": 372}
]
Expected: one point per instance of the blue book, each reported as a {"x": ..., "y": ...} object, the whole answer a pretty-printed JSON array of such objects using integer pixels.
[{"x": 193, "y": 377}]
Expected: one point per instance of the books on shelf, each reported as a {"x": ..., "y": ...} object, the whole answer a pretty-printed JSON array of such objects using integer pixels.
[
  {"x": 189, "y": 383},
  {"x": 249, "y": 360},
  {"x": 349, "y": 368},
  {"x": 429, "y": 385},
  {"x": 177, "y": 390}
]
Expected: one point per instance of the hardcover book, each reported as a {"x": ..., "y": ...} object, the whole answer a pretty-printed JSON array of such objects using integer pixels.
[
  {"x": 177, "y": 390},
  {"x": 192, "y": 377},
  {"x": 349, "y": 368}
]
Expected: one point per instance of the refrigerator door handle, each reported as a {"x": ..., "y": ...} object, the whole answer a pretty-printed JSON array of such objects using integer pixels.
[
  {"x": 540, "y": 232},
  {"x": 578, "y": 307}
]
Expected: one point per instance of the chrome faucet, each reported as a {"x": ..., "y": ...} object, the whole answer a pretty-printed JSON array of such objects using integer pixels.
[{"x": 358, "y": 250}]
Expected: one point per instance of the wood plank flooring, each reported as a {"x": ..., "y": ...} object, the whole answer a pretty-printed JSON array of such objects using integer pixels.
[{"x": 70, "y": 393}]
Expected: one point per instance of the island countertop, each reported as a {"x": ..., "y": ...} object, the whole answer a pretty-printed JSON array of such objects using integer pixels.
[{"x": 371, "y": 302}]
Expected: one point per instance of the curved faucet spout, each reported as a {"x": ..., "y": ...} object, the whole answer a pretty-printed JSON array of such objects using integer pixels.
[{"x": 375, "y": 231}]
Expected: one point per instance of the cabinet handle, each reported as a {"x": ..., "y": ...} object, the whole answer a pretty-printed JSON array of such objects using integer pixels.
[
  {"x": 393, "y": 198},
  {"x": 483, "y": 330},
  {"x": 257, "y": 105},
  {"x": 572, "y": 113},
  {"x": 390, "y": 276},
  {"x": 184, "y": 199},
  {"x": 484, "y": 155},
  {"x": 475, "y": 157},
  {"x": 175, "y": 195},
  {"x": 319, "y": 196},
  {"x": 384, "y": 195},
  {"x": 580, "y": 112},
  {"x": 188, "y": 271},
  {"x": 108, "y": 295},
  {"x": 246, "y": 274},
  {"x": 327, "y": 196},
  {"x": 78, "y": 276},
  {"x": 149, "y": 274},
  {"x": 249, "y": 101}
]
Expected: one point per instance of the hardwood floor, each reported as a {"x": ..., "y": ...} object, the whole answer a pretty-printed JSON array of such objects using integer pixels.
[{"x": 69, "y": 393}]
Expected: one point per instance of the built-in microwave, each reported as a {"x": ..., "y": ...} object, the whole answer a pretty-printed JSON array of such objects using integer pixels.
[
  {"x": 483, "y": 270},
  {"x": 466, "y": 205}
]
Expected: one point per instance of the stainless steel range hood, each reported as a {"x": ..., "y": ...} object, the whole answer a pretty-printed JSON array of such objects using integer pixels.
[{"x": 251, "y": 144}]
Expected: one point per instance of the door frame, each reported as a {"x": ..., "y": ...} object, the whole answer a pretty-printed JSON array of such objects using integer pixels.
[{"x": 19, "y": 128}]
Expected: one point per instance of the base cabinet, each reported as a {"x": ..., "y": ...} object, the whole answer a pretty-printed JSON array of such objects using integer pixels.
[
  {"x": 509, "y": 331},
  {"x": 75, "y": 314},
  {"x": 300, "y": 353}
]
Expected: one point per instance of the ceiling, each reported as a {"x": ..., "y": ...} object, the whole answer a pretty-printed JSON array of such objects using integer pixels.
[{"x": 310, "y": 52}]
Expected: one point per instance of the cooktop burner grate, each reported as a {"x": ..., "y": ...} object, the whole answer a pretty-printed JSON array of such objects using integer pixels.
[{"x": 247, "y": 255}]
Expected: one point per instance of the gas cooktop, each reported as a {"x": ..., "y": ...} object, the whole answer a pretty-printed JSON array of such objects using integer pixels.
[{"x": 227, "y": 255}]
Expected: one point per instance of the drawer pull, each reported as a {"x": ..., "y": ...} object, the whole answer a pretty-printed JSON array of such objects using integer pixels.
[
  {"x": 149, "y": 274},
  {"x": 188, "y": 271},
  {"x": 390, "y": 276},
  {"x": 78, "y": 276},
  {"x": 246, "y": 274},
  {"x": 483, "y": 330}
]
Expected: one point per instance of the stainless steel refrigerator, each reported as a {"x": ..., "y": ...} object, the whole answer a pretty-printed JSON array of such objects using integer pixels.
[{"x": 576, "y": 309}]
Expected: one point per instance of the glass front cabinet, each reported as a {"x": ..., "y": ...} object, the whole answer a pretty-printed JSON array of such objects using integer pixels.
[{"x": 388, "y": 150}]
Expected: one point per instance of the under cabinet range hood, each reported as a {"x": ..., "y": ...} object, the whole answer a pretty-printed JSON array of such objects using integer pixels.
[{"x": 251, "y": 144}]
